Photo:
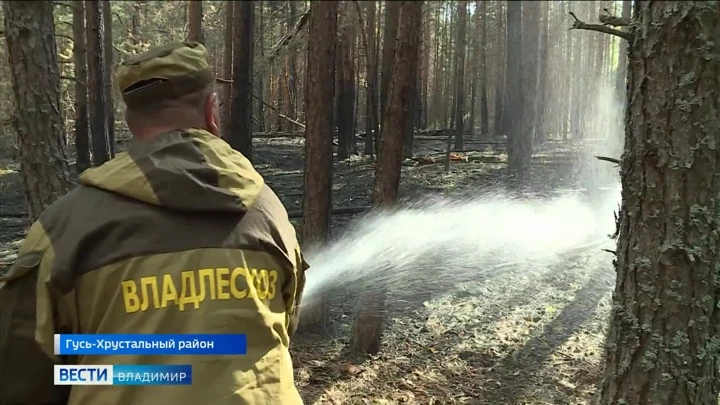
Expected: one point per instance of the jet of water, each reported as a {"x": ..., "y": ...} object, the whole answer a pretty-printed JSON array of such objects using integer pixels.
[{"x": 435, "y": 244}]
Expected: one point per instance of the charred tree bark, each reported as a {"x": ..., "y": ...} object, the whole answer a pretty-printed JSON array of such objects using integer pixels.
[
  {"x": 392, "y": 12},
  {"x": 228, "y": 69},
  {"x": 530, "y": 61},
  {"x": 541, "y": 98},
  {"x": 317, "y": 180},
  {"x": 346, "y": 93},
  {"x": 99, "y": 131},
  {"x": 240, "y": 136},
  {"x": 500, "y": 70},
  {"x": 475, "y": 66},
  {"x": 483, "y": 87},
  {"x": 109, "y": 68},
  {"x": 371, "y": 107},
  {"x": 662, "y": 347},
  {"x": 30, "y": 36},
  {"x": 195, "y": 17},
  {"x": 460, "y": 45},
  {"x": 82, "y": 139},
  {"x": 368, "y": 323},
  {"x": 292, "y": 67},
  {"x": 519, "y": 141}
]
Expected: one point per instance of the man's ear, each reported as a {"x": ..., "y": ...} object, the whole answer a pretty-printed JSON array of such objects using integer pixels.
[{"x": 212, "y": 114}]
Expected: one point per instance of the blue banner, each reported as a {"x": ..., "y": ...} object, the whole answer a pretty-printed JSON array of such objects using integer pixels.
[
  {"x": 127, "y": 374},
  {"x": 123, "y": 374},
  {"x": 127, "y": 344}
]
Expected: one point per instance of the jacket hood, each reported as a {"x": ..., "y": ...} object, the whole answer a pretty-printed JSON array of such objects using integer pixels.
[{"x": 187, "y": 170}]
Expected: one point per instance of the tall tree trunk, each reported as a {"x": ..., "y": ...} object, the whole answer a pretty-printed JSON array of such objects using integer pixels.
[
  {"x": 109, "y": 68},
  {"x": 371, "y": 107},
  {"x": 368, "y": 323},
  {"x": 82, "y": 138},
  {"x": 345, "y": 92},
  {"x": 228, "y": 68},
  {"x": 425, "y": 79},
  {"x": 519, "y": 141},
  {"x": 261, "y": 76},
  {"x": 195, "y": 17},
  {"x": 475, "y": 66},
  {"x": 662, "y": 345},
  {"x": 292, "y": 67},
  {"x": 30, "y": 37},
  {"x": 240, "y": 137},
  {"x": 392, "y": 12},
  {"x": 460, "y": 45},
  {"x": 317, "y": 180},
  {"x": 500, "y": 69},
  {"x": 541, "y": 99},
  {"x": 483, "y": 87},
  {"x": 96, "y": 82},
  {"x": 530, "y": 60}
]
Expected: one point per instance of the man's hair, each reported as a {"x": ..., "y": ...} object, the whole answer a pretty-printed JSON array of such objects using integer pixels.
[{"x": 165, "y": 110}]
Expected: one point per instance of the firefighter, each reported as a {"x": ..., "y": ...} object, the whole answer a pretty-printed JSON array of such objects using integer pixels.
[{"x": 178, "y": 235}]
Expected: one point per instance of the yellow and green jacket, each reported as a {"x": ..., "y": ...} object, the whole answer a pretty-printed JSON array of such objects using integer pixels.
[{"x": 178, "y": 235}]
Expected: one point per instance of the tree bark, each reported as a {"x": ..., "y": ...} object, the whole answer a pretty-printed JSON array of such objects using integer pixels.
[
  {"x": 109, "y": 68},
  {"x": 662, "y": 347},
  {"x": 228, "y": 69},
  {"x": 345, "y": 92},
  {"x": 240, "y": 136},
  {"x": 392, "y": 13},
  {"x": 195, "y": 17},
  {"x": 460, "y": 45},
  {"x": 30, "y": 37},
  {"x": 82, "y": 139},
  {"x": 317, "y": 179},
  {"x": 519, "y": 141},
  {"x": 371, "y": 107},
  {"x": 368, "y": 323},
  {"x": 97, "y": 89},
  {"x": 481, "y": 5},
  {"x": 500, "y": 67}
]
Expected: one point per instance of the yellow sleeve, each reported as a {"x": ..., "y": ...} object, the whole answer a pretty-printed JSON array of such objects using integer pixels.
[
  {"x": 300, "y": 267},
  {"x": 26, "y": 326}
]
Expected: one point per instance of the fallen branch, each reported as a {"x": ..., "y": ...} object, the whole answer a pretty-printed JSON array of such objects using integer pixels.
[
  {"x": 580, "y": 25},
  {"x": 336, "y": 211}
]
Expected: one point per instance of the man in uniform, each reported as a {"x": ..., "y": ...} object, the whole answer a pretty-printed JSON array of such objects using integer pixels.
[{"x": 179, "y": 235}]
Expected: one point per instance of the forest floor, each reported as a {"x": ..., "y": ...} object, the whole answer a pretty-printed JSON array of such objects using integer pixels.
[{"x": 511, "y": 339}]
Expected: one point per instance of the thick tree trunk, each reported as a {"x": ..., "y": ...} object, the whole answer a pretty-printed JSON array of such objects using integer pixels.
[
  {"x": 345, "y": 93},
  {"x": 30, "y": 36},
  {"x": 240, "y": 136},
  {"x": 500, "y": 67},
  {"x": 460, "y": 45},
  {"x": 481, "y": 5},
  {"x": 109, "y": 68},
  {"x": 368, "y": 323},
  {"x": 317, "y": 180},
  {"x": 662, "y": 347},
  {"x": 195, "y": 17},
  {"x": 519, "y": 141},
  {"x": 97, "y": 77},
  {"x": 530, "y": 61},
  {"x": 228, "y": 69},
  {"x": 388, "y": 53},
  {"x": 82, "y": 138},
  {"x": 371, "y": 107}
]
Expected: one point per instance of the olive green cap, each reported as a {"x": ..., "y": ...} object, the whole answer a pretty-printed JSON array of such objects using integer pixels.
[{"x": 164, "y": 72}]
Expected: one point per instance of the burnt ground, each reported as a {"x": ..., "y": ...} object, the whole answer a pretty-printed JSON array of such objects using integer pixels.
[{"x": 512, "y": 339}]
